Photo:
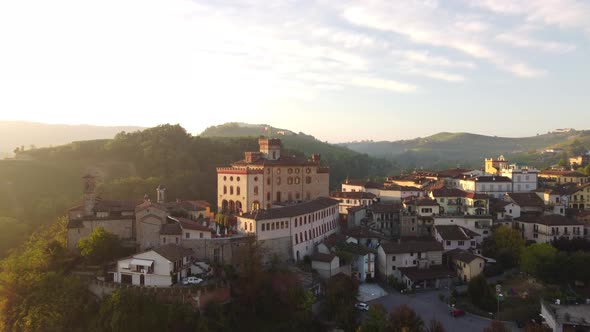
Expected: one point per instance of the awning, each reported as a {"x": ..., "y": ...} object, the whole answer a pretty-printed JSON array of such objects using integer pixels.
[{"x": 141, "y": 262}]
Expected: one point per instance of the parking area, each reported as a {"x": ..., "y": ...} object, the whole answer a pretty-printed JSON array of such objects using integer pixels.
[
  {"x": 428, "y": 306},
  {"x": 370, "y": 291}
]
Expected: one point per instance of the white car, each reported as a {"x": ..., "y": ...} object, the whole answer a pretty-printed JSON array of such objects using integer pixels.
[
  {"x": 362, "y": 306},
  {"x": 191, "y": 281}
]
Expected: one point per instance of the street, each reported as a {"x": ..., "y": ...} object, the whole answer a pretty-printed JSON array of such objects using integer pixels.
[{"x": 428, "y": 306}]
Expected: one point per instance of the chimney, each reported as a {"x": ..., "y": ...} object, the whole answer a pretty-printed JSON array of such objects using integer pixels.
[{"x": 89, "y": 194}]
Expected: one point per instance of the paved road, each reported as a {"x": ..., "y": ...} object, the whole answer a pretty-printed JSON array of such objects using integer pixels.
[{"x": 428, "y": 306}]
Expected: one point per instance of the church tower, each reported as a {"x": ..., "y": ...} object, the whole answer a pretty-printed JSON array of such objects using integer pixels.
[{"x": 89, "y": 194}]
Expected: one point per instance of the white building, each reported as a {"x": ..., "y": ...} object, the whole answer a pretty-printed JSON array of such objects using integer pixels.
[
  {"x": 546, "y": 228},
  {"x": 179, "y": 230},
  {"x": 478, "y": 224},
  {"x": 293, "y": 231},
  {"x": 494, "y": 186},
  {"x": 456, "y": 237},
  {"x": 160, "y": 267},
  {"x": 350, "y": 199},
  {"x": 524, "y": 179}
]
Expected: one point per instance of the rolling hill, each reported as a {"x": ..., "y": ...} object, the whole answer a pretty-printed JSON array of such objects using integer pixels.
[
  {"x": 21, "y": 133},
  {"x": 447, "y": 149}
]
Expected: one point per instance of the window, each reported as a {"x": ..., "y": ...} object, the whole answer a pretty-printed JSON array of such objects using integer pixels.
[
  {"x": 414, "y": 262},
  {"x": 268, "y": 181},
  {"x": 231, "y": 190},
  {"x": 268, "y": 196},
  {"x": 393, "y": 267},
  {"x": 187, "y": 235},
  {"x": 231, "y": 178},
  {"x": 290, "y": 170},
  {"x": 290, "y": 180},
  {"x": 278, "y": 196},
  {"x": 201, "y": 235},
  {"x": 393, "y": 258},
  {"x": 278, "y": 180},
  {"x": 308, "y": 179},
  {"x": 412, "y": 254},
  {"x": 238, "y": 178},
  {"x": 225, "y": 190},
  {"x": 225, "y": 178},
  {"x": 164, "y": 240},
  {"x": 308, "y": 170},
  {"x": 461, "y": 243},
  {"x": 237, "y": 190},
  {"x": 177, "y": 240},
  {"x": 255, "y": 190},
  {"x": 255, "y": 179},
  {"x": 297, "y": 180},
  {"x": 448, "y": 243},
  {"x": 263, "y": 225}
]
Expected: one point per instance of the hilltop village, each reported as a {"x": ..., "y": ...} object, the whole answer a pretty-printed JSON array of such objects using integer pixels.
[{"x": 418, "y": 231}]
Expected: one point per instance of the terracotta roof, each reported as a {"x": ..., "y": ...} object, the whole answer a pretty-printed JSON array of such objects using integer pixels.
[
  {"x": 196, "y": 225},
  {"x": 491, "y": 179},
  {"x": 471, "y": 195},
  {"x": 334, "y": 239},
  {"x": 283, "y": 160},
  {"x": 292, "y": 210},
  {"x": 421, "y": 201},
  {"x": 434, "y": 272},
  {"x": 497, "y": 205},
  {"x": 549, "y": 220},
  {"x": 173, "y": 252},
  {"x": 562, "y": 173},
  {"x": 462, "y": 255},
  {"x": 414, "y": 245},
  {"x": 362, "y": 232},
  {"x": 386, "y": 208},
  {"x": 454, "y": 233},
  {"x": 326, "y": 258},
  {"x": 526, "y": 199},
  {"x": 352, "y": 194},
  {"x": 448, "y": 192},
  {"x": 171, "y": 229}
]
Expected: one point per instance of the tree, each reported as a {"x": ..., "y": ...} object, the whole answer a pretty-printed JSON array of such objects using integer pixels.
[
  {"x": 532, "y": 327},
  {"x": 100, "y": 247},
  {"x": 496, "y": 326},
  {"x": 480, "y": 293},
  {"x": 404, "y": 319},
  {"x": 435, "y": 326},
  {"x": 341, "y": 294},
  {"x": 537, "y": 260},
  {"x": 376, "y": 319},
  {"x": 505, "y": 245}
]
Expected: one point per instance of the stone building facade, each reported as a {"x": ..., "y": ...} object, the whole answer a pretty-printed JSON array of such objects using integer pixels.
[{"x": 268, "y": 178}]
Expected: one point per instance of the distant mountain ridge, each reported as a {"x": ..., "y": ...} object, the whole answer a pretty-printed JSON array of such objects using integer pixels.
[{"x": 21, "y": 133}]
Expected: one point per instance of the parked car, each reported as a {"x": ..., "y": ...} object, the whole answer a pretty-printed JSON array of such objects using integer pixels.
[
  {"x": 456, "y": 312},
  {"x": 362, "y": 306},
  {"x": 191, "y": 281}
]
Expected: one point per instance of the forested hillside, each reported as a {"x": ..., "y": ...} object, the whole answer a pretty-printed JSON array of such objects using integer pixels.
[
  {"x": 28, "y": 135},
  {"x": 448, "y": 149},
  {"x": 42, "y": 183}
]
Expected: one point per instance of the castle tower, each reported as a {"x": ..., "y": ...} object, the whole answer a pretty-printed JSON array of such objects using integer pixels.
[
  {"x": 161, "y": 194},
  {"x": 270, "y": 148},
  {"x": 89, "y": 194}
]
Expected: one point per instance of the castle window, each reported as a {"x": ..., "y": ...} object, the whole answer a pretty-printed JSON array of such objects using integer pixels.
[
  {"x": 289, "y": 180},
  {"x": 238, "y": 178},
  {"x": 231, "y": 190},
  {"x": 297, "y": 171},
  {"x": 231, "y": 178},
  {"x": 237, "y": 190},
  {"x": 278, "y": 171},
  {"x": 278, "y": 196},
  {"x": 297, "y": 180},
  {"x": 255, "y": 190},
  {"x": 278, "y": 180},
  {"x": 308, "y": 179},
  {"x": 308, "y": 170},
  {"x": 225, "y": 178},
  {"x": 224, "y": 190},
  {"x": 290, "y": 171}
]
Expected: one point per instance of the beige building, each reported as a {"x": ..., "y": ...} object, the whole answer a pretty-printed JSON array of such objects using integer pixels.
[
  {"x": 495, "y": 166},
  {"x": 545, "y": 228},
  {"x": 563, "y": 177},
  {"x": 465, "y": 264},
  {"x": 267, "y": 177}
]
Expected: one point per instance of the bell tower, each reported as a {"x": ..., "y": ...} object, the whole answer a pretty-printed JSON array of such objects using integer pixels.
[{"x": 89, "y": 194}]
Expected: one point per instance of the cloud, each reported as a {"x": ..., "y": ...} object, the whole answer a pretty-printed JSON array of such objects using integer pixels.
[
  {"x": 384, "y": 84},
  {"x": 427, "y": 23},
  {"x": 570, "y": 14},
  {"x": 525, "y": 41}
]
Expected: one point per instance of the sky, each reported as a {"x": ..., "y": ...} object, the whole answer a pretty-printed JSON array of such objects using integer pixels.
[{"x": 339, "y": 70}]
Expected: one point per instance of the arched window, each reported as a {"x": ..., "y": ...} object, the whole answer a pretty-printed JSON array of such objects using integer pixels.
[
  {"x": 297, "y": 180},
  {"x": 289, "y": 180},
  {"x": 278, "y": 196},
  {"x": 237, "y": 190},
  {"x": 308, "y": 179},
  {"x": 225, "y": 178},
  {"x": 224, "y": 205},
  {"x": 290, "y": 171},
  {"x": 238, "y": 206},
  {"x": 255, "y": 205},
  {"x": 231, "y": 190},
  {"x": 278, "y": 180},
  {"x": 255, "y": 190},
  {"x": 232, "y": 206},
  {"x": 225, "y": 190},
  {"x": 268, "y": 181}
]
